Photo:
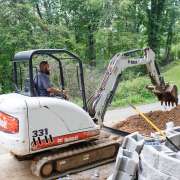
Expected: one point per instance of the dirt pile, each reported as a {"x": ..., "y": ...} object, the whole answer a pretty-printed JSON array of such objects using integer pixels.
[{"x": 159, "y": 118}]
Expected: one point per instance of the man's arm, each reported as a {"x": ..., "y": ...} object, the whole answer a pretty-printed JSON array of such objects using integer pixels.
[
  {"x": 52, "y": 90},
  {"x": 55, "y": 91}
]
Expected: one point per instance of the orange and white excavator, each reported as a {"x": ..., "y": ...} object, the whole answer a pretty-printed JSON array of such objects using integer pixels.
[{"x": 57, "y": 135}]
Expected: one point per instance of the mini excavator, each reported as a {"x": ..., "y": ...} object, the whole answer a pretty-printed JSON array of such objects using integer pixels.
[{"x": 59, "y": 136}]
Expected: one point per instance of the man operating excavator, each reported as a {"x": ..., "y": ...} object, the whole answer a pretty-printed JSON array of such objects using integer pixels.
[{"x": 43, "y": 84}]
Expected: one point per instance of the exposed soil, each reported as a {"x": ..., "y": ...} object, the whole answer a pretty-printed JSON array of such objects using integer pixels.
[{"x": 159, "y": 118}]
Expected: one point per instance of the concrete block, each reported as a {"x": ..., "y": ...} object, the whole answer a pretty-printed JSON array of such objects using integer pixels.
[
  {"x": 175, "y": 155},
  {"x": 169, "y": 126},
  {"x": 126, "y": 165},
  {"x": 133, "y": 142},
  {"x": 141, "y": 177},
  {"x": 171, "y": 131},
  {"x": 162, "y": 159},
  {"x": 177, "y": 129},
  {"x": 120, "y": 175},
  {"x": 127, "y": 161},
  {"x": 169, "y": 165},
  {"x": 148, "y": 172},
  {"x": 151, "y": 153},
  {"x": 110, "y": 177},
  {"x": 168, "y": 131},
  {"x": 175, "y": 138}
]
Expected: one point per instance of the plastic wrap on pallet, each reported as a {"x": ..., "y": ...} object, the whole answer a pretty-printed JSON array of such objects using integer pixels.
[
  {"x": 162, "y": 159},
  {"x": 148, "y": 172}
]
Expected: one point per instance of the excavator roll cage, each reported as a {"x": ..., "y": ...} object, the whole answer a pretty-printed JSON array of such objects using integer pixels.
[{"x": 27, "y": 56}]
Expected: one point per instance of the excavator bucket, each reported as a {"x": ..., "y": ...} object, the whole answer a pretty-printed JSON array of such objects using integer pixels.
[{"x": 167, "y": 94}]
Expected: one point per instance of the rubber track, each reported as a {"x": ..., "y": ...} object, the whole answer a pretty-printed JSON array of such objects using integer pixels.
[{"x": 39, "y": 161}]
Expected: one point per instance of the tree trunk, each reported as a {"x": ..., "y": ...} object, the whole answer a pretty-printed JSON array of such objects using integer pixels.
[
  {"x": 38, "y": 11},
  {"x": 154, "y": 23},
  {"x": 168, "y": 46},
  {"x": 110, "y": 43},
  {"x": 91, "y": 52},
  {"x": 78, "y": 34},
  {"x": 167, "y": 58},
  {"x": 48, "y": 10}
]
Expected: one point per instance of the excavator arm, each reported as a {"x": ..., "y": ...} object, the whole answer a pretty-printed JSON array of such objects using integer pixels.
[
  {"x": 165, "y": 93},
  {"x": 97, "y": 104}
]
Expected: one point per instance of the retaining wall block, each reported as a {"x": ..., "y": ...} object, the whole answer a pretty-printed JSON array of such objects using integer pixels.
[
  {"x": 126, "y": 162},
  {"x": 120, "y": 175},
  {"x": 163, "y": 159},
  {"x": 133, "y": 142}
]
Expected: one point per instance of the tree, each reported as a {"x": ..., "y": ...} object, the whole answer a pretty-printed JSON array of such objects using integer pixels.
[
  {"x": 94, "y": 29},
  {"x": 85, "y": 18},
  {"x": 171, "y": 19},
  {"x": 155, "y": 9}
]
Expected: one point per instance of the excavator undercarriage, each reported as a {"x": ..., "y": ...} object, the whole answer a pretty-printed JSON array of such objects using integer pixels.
[{"x": 74, "y": 158}]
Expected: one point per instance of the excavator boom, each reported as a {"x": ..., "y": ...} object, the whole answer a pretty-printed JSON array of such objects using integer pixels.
[{"x": 165, "y": 93}]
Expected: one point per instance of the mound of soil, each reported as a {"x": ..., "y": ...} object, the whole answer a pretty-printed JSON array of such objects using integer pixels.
[{"x": 159, "y": 118}]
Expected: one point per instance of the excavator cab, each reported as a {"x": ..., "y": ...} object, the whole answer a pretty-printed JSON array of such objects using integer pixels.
[{"x": 25, "y": 69}]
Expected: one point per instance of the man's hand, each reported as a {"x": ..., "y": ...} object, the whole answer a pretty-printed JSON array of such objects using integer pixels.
[
  {"x": 65, "y": 94},
  {"x": 55, "y": 91}
]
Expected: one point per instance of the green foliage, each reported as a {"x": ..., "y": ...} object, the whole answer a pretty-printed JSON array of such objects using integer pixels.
[
  {"x": 133, "y": 91},
  {"x": 5, "y": 74},
  {"x": 93, "y": 29}
]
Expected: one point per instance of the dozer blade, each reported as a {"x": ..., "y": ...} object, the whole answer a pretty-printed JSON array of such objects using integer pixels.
[{"x": 167, "y": 95}]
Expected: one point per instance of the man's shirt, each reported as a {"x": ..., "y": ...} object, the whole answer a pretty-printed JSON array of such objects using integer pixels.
[{"x": 42, "y": 83}]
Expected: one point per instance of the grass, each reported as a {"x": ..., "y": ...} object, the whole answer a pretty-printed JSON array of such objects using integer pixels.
[
  {"x": 172, "y": 73},
  {"x": 134, "y": 91}
]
